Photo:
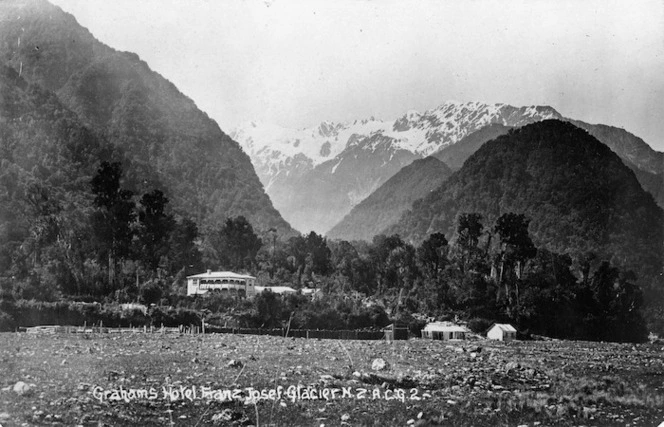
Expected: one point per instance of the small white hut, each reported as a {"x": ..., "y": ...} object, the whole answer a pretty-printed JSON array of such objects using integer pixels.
[
  {"x": 501, "y": 332},
  {"x": 444, "y": 331}
]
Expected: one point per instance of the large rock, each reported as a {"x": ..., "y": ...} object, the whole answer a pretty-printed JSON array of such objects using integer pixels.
[
  {"x": 21, "y": 388},
  {"x": 379, "y": 365}
]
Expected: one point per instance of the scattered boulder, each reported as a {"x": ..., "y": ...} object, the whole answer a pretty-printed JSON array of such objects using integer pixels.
[
  {"x": 21, "y": 388},
  {"x": 223, "y": 416},
  {"x": 379, "y": 364},
  {"x": 235, "y": 364}
]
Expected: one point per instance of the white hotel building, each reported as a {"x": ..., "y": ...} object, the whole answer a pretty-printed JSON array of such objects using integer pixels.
[{"x": 223, "y": 281}]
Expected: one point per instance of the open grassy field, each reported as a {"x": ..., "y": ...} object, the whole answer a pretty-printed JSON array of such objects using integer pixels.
[{"x": 189, "y": 380}]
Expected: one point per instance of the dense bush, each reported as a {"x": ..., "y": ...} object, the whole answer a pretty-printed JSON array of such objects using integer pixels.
[
  {"x": 479, "y": 326},
  {"x": 26, "y": 313}
]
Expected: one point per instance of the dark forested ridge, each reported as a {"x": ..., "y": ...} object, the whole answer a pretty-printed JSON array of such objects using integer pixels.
[
  {"x": 647, "y": 164},
  {"x": 578, "y": 193},
  {"x": 385, "y": 205},
  {"x": 627, "y": 145},
  {"x": 166, "y": 141},
  {"x": 378, "y": 210}
]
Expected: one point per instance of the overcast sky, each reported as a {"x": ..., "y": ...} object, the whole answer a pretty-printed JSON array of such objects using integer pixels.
[{"x": 297, "y": 63}]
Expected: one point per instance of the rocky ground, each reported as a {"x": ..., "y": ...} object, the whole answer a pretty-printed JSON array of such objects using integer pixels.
[{"x": 189, "y": 380}]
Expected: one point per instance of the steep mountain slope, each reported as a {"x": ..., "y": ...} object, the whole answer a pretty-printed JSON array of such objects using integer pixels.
[
  {"x": 361, "y": 224},
  {"x": 385, "y": 205},
  {"x": 321, "y": 197},
  {"x": 47, "y": 158},
  {"x": 647, "y": 164},
  {"x": 166, "y": 140},
  {"x": 651, "y": 182},
  {"x": 315, "y": 176},
  {"x": 627, "y": 145},
  {"x": 43, "y": 137},
  {"x": 578, "y": 193},
  {"x": 454, "y": 155}
]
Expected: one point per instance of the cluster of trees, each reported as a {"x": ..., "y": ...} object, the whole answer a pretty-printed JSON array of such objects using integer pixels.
[
  {"x": 130, "y": 248},
  {"x": 483, "y": 275},
  {"x": 578, "y": 194},
  {"x": 101, "y": 248}
]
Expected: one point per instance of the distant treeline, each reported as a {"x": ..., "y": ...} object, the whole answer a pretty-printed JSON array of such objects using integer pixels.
[
  {"x": 137, "y": 251},
  {"x": 484, "y": 276}
]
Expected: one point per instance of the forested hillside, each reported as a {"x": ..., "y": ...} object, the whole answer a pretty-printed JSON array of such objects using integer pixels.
[
  {"x": 647, "y": 164},
  {"x": 165, "y": 140},
  {"x": 385, "y": 205},
  {"x": 112, "y": 182},
  {"x": 47, "y": 159},
  {"x": 579, "y": 194}
]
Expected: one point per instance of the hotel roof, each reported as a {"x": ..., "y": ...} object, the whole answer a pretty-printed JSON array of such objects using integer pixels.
[{"x": 220, "y": 275}]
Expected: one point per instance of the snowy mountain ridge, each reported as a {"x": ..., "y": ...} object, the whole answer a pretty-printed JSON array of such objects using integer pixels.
[
  {"x": 314, "y": 176},
  {"x": 276, "y": 150}
]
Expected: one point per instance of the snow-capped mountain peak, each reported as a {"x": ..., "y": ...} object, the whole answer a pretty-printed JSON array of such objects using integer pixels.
[{"x": 369, "y": 149}]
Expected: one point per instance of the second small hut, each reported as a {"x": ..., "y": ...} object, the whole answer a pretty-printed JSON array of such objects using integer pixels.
[{"x": 444, "y": 331}]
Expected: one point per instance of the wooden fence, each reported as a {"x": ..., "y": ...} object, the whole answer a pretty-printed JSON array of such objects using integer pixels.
[
  {"x": 302, "y": 333},
  {"x": 206, "y": 328}
]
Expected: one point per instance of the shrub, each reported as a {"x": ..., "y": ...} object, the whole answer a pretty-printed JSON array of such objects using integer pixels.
[
  {"x": 479, "y": 325},
  {"x": 151, "y": 292}
]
